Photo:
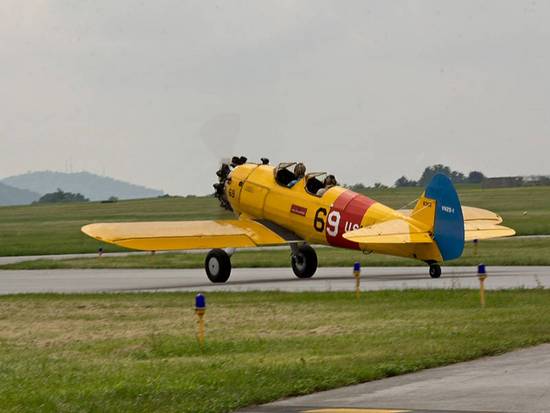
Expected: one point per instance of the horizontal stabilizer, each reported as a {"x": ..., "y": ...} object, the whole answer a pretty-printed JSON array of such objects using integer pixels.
[
  {"x": 400, "y": 231},
  {"x": 470, "y": 214},
  {"x": 395, "y": 231},
  {"x": 483, "y": 229}
]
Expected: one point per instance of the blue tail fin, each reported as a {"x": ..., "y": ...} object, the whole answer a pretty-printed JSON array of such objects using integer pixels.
[{"x": 449, "y": 221}]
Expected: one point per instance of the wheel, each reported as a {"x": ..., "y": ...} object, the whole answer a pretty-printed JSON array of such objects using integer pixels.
[
  {"x": 218, "y": 266},
  {"x": 435, "y": 270},
  {"x": 304, "y": 262}
]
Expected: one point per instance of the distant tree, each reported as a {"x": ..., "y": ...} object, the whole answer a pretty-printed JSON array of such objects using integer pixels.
[
  {"x": 475, "y": 177},
  {"x": 357, "y": 187},
  {"x": 60, "y": 196},
  {"x": 360, "y": 187},
  {"x": 458, "y": 177},
  {"x": 403, "y": 181},
  {"x": 431, "y": 171}
]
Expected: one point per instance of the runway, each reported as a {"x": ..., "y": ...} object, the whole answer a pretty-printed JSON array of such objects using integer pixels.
[{"x": 265, "y": 279}]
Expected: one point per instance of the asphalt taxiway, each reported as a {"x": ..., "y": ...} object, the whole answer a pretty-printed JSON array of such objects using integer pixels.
[
  {"x": 265, "y": 279},
  {"x": 516, "y": 382}
]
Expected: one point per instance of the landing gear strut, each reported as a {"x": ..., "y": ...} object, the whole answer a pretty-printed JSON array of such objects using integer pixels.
[
  {"x": 304, "y": 261},
  {"x": 218, "y": 266},
  {"x": 435, "y": 270}
]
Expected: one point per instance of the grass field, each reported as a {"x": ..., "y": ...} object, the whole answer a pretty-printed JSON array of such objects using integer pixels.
[
  {"x": 138, "y": 353},
  {"x": 510, "y": 251},
  {"x": 55, "y": 229}
]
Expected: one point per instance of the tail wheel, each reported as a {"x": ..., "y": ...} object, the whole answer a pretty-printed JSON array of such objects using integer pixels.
[
  {"x": 435, "y": 271},
  {"x": 304, "y": 261},
  {"x": 218, "y": 266}
]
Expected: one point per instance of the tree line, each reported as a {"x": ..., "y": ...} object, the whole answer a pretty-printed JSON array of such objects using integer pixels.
[
  {"x": 474, "y": 177},
  {"x": 457, "y": 177},
  {"x": 61, "y": 196}
]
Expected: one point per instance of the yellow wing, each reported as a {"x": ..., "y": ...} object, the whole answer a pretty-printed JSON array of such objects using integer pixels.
[{"x": 186, "y": 235}]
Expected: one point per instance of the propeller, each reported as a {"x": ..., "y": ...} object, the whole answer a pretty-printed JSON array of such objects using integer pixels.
[{"x": 220, "y": 133}]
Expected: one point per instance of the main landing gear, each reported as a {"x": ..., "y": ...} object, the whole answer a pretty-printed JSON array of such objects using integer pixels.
[
  {"x": 435, "y": 270},
  {"x": 218, "y": 263},
  {"x": 304, "y": 261},
  {"x": 218, "y": 266}
]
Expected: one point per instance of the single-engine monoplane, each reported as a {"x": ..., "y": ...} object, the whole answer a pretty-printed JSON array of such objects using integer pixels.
[{"x": 282, "y": 205}]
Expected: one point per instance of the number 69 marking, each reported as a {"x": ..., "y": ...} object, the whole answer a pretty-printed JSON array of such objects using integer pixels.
[{"x": 333, "y": 221}]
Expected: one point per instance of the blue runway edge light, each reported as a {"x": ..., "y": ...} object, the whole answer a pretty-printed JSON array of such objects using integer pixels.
[
  {"x": 481, "y": 269},
  {"x": 200, "y": 301},
  {"x": 357, "y": 266}
]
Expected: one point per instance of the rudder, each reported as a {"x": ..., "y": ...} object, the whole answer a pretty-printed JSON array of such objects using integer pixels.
[{"x": 443, "y": 217}]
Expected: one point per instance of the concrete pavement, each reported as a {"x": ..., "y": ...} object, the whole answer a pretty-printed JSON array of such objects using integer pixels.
[{"x": 263, "y": 279}]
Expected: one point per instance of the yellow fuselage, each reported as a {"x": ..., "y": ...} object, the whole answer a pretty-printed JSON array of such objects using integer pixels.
[{"x": 253, "y": 191}]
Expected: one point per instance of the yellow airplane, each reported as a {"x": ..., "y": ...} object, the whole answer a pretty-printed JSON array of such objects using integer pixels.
[{"x": 275, "y": 206}]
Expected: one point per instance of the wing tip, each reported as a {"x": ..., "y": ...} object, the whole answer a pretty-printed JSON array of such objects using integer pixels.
[
  {"x": 493, "y": 232},
  {"x": 91, "y": 231}
]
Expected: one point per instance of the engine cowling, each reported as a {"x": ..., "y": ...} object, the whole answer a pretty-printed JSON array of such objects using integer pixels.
[{"x": 223, "y": 175}]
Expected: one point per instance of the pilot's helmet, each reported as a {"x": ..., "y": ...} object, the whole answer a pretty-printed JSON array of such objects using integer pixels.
[
  {"x": 330, "y": 180},
  {"x": 299, "y": 170}
]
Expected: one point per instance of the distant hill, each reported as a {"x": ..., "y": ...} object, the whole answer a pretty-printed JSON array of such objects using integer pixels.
[
  {"x": 92, "y": 186},
  {"x": 15, "y": 196}
]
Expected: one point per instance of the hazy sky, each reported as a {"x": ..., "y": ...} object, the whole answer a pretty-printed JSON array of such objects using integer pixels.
[{"x": 369, "y": 90}]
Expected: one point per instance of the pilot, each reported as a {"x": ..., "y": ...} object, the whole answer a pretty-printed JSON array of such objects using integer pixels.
[
  {"x": 299, "y": 173},
  {"x": 330, "y": 181}
]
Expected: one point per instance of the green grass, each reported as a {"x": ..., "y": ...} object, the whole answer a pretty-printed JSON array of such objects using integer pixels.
[
  {"x": 138, "y": 353},
  {"x": 508, "y": 251},
  {"x": 55, "y": 228}
]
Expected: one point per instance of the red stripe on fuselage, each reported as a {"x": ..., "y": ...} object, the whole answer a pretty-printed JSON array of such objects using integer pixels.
[{"x": 345, "y": 215}]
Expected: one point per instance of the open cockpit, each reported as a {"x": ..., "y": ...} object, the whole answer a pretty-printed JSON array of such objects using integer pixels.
[
  {"x": 283, "y": 175},
  {"x": 287, "y": 174},
  {"x": 315, "y": 182}
]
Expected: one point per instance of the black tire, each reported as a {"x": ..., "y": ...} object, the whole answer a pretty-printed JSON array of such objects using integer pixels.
[
  {"x": 218, "y": 266},
  {"x": 304, "y": 262},
  {"x": 435, "y": 271}
]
